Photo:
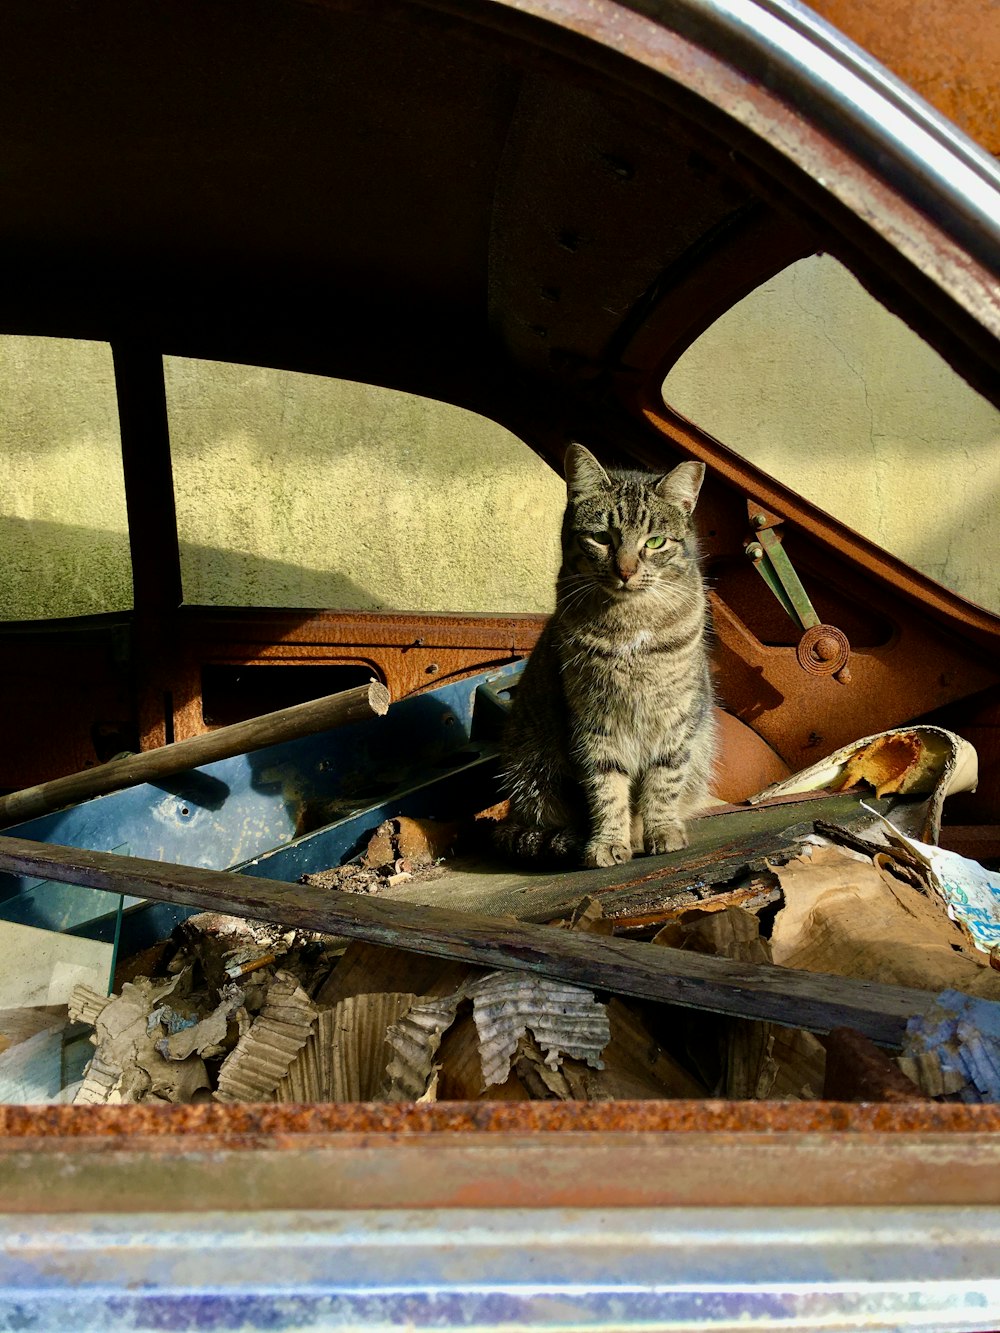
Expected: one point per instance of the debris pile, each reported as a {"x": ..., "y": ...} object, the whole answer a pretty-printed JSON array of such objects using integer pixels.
[
  {"x": 400, "y": 850},
  {"x": 817, "y": 949}
]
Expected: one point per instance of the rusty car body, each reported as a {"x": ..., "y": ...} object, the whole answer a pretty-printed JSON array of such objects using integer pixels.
[{"x": 530, "y": 209}]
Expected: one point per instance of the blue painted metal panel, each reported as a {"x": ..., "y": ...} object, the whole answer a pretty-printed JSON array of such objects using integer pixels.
[
  {"x": 470, "y": 785},
  {"x": 230, "y": 813},
  {"x": 551, "y": 1269}
]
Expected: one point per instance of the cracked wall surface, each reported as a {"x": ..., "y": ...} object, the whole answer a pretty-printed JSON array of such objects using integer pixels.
[{"x": 812, "y": 380}]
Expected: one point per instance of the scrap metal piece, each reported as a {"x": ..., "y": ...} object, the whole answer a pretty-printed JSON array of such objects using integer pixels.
[
  {"x": 823, "y": 650},
  {"x": 771, "y": 561},
  {"x": 904, "y": 760},
  {"x": 858, "y": 1071}
]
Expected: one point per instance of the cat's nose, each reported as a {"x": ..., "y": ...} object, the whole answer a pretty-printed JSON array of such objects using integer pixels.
[{"x": 626, "y": 569}]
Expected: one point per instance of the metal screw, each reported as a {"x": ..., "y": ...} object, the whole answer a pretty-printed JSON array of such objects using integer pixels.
[
  {"x": 622, "y": 169},
  {"x": 755, "y": 551},
  {"x": 760, "y": 520},
  {"x": 826, "y": 648}
]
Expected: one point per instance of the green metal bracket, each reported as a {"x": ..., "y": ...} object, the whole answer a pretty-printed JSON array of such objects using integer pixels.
[
  {"x": 823, "y": 650},
  {"x": 773, "y": 565}
]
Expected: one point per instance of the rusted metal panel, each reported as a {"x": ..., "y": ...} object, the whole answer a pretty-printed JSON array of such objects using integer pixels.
[
  {"x": 948, "y": 50},
  {"x": 408, "y": 652},
  {"x": 497, "y": 1155}
]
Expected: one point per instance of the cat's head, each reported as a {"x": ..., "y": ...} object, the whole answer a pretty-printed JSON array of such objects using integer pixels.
[{"x": 629, "y": 532}]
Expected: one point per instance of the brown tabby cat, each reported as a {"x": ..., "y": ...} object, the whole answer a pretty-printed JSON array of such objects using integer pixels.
[{"x": 610, "y": 740}]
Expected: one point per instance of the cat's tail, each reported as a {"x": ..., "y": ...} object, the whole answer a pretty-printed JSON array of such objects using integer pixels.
[{"x": 558, "y": 848}]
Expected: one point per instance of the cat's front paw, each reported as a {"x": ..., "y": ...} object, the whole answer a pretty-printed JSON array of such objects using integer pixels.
[
  {"x": 606, "y": 853},
  {"x": 665, "y": 838}
]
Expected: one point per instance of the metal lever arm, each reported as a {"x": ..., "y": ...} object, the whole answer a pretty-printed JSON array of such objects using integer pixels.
[{"x": 823, "y": 650}]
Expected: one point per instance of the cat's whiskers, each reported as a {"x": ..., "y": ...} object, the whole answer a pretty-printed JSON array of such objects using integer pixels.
[{"x": 577, "y": 597}]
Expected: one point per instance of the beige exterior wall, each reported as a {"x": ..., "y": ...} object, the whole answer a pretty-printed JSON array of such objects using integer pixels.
[
  {"x": 816, "y": 383},
  {"x": 63, "y": 527},
  {"x": 293, "y": 490}
]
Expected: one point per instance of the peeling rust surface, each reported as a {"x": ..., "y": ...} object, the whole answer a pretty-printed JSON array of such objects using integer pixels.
[
  {"x": 497, "y": 1155},
  {"x": 942, "y": 48},
  {"x": 249, "y": 1125}
]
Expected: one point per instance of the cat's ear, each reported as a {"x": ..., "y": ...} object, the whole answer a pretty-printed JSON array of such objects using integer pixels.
[
  {"x": 584, "y": 474},
  {"x": 681, "y": 486}
]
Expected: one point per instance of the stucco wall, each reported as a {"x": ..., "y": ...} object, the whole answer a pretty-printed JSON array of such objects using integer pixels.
[
  {"x": 812, "y": 380},
  {"x": 292, "y": 490},
  {"x": 63, "y": 526}
]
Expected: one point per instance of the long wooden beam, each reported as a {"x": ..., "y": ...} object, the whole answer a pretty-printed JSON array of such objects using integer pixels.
[
  {"x": 286, "y": 724},
  {"x": 624, "y": 967}
]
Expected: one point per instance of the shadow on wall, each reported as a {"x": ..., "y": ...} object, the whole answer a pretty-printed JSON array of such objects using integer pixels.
[{"x": 51, "y": 570}]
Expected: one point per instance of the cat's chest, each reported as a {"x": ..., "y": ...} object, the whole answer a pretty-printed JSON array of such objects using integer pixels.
[{"x": 636, "y": 643}]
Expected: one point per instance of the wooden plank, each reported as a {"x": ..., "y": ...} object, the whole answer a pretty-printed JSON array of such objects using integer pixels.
[
  {"x": 623, "y": 967},
  {"x": 286, "y": 724}
]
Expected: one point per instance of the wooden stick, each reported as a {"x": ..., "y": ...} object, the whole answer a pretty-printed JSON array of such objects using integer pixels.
[
  {"x": 287, "y": 724},
  {"x": 624, "y": 967}
]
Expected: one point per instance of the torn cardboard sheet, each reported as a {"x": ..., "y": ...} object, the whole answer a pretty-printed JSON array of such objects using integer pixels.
[
  {"x": 262, "y": 1056},
  {"x": 563, "y": 1019},
  {"x": 344, "y": 1058},
  {"x": 850, "y": 918},
  {"x": 128, "y": 1064},
  {"x": 634, "y": 1066},
  {"x": 188, "y": 1035},
  {"x": 905, "y": 761},
  {"x": 970, "y": 892}
]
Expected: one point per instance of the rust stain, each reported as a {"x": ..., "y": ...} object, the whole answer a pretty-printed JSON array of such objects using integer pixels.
[
  {"x": 948, "y": 50},
  {"x": 255, "y": 1123}
]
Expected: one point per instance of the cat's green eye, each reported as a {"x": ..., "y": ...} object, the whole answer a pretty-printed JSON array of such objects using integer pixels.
[
  {"x": 654, "y": 543},
  {"x": 598, "y": 538}
]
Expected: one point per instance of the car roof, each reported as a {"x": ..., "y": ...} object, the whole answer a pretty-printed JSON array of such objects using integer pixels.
[{"x": 524, "y": 208}]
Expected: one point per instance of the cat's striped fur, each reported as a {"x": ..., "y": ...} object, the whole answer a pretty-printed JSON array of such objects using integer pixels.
[{"x": 610, "y": 741}]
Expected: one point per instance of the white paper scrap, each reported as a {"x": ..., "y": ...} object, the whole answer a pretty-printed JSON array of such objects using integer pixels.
[{"x": 971, "y": 892}]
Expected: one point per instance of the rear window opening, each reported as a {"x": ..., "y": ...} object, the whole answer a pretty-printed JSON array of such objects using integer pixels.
[{"x": 235, "y": 693}]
